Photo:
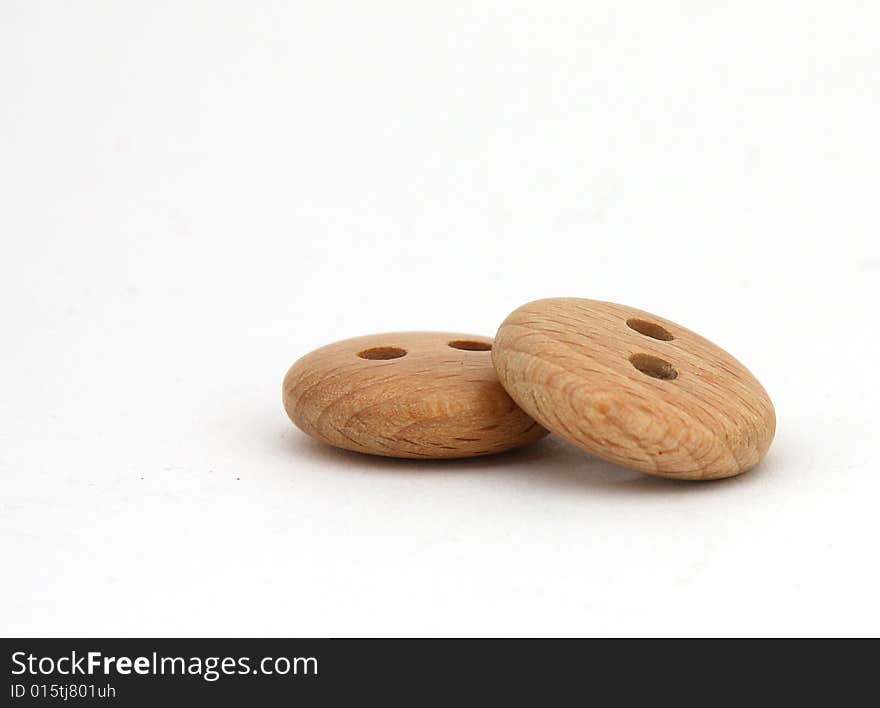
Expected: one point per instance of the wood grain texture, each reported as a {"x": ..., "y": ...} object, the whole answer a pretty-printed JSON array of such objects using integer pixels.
[
  {"x": 650, "y": 395},
  {"x": 416, "y": 396}
]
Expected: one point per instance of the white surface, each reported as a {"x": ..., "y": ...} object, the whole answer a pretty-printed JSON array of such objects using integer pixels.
[{"x": 194, "y": 195}]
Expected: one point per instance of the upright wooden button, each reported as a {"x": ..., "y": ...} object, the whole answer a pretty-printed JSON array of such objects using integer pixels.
[
  {"x": 634, "y": 388},
  {"x": 407, "y": 394}
]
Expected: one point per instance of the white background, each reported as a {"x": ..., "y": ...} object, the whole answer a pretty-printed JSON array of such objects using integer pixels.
[{"x": 193, "y": 195}]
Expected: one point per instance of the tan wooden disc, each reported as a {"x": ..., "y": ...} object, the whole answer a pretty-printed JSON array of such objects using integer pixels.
[
  {"x": 407, "y": 394},
  {"x": 634, "y": 388}
]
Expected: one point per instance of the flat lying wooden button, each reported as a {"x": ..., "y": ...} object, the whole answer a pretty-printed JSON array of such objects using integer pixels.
[
  {"x": 407, "y": 394},
  {"x": 634, "y": 388}
]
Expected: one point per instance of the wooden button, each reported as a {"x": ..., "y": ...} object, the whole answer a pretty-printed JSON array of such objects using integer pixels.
[
  {"x": 634, "y": 388},
  {"x": 407, "y": 394}
]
